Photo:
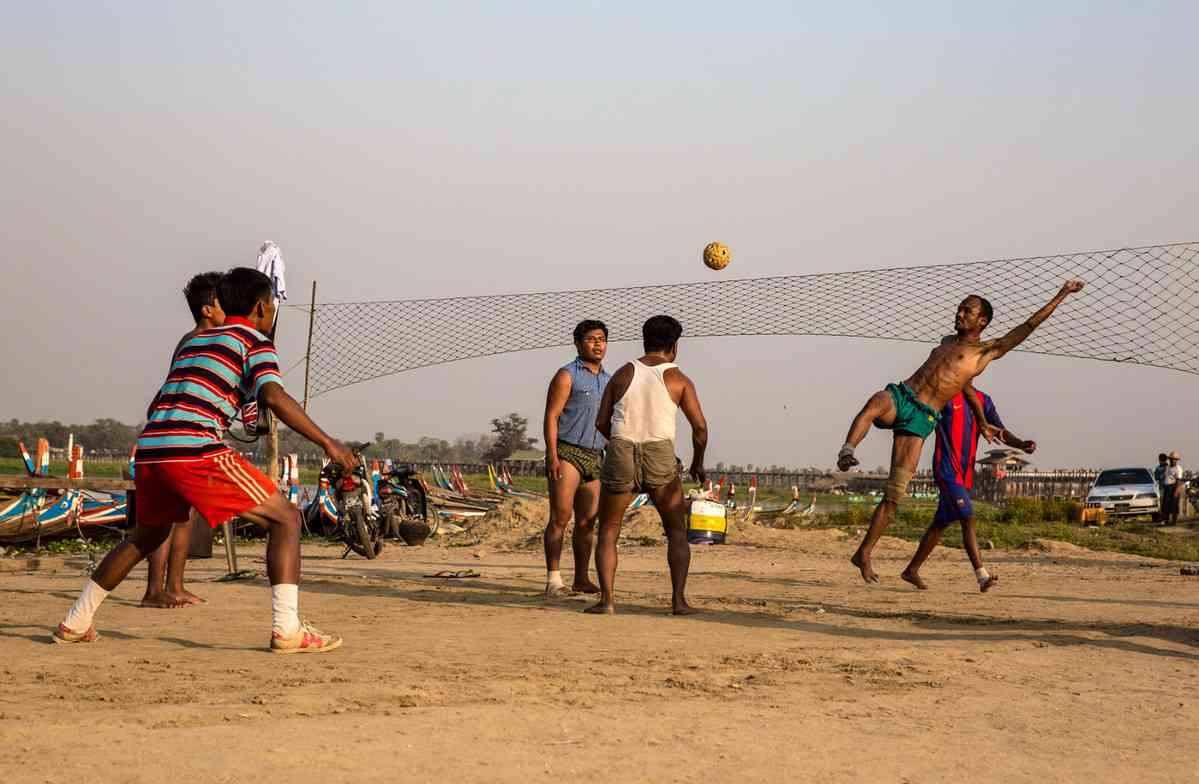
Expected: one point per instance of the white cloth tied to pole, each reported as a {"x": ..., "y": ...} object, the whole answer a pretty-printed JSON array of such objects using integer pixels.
[{"x": 270, "y": 263}]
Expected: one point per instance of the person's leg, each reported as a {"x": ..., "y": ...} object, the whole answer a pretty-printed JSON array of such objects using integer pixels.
[
  {"x": 668, "y": 499},
  {"x": 880, "y": 411},
  {"x": 611, "y": 514},
  {"x": 986, "y": 580},
  {"x": 156, "y": 575},
  {"x": 562, "y": 495},
  {"x": 905, "y": 455},
  {"x": 929, "y": 542},
  {"x": 181, "y": 538},
  {"x": 586, "y": 511},
  {"x": 77, "y": 626},
  {"x": 288, "y": 634}
]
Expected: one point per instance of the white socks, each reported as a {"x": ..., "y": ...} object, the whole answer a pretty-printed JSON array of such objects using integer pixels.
[
  {"x": 982, "y": 575},
  {"x": 79, "y": 618},
  {"x": 553, "y": 581},
  {"x": 285, "y": 609}
]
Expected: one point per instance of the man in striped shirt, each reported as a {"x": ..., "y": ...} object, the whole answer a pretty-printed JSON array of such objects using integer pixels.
[
  {"x": 953, "y": 470},
  {"x": 182, "y": 461}
]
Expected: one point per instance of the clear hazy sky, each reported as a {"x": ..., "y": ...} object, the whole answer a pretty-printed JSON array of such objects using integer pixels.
[{"x": 419, "y": 150}]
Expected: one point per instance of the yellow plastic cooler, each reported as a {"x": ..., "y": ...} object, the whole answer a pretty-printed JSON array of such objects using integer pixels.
[{"x": 706, "y": 522}]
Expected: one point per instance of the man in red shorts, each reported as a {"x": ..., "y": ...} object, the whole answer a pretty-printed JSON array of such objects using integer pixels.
[{"x": 182, "y": 462}]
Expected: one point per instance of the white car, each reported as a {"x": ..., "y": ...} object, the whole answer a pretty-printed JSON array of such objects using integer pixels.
[{"x": 1125, "y": 492}]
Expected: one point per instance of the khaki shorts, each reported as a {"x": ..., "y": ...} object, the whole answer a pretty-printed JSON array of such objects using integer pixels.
[{"x": 630, "y": 467}]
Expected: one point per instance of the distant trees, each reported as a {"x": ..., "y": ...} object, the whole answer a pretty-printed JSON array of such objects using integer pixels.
[
  {"x": 511, "y": 435},
  {"x": 104, "y": 436}
]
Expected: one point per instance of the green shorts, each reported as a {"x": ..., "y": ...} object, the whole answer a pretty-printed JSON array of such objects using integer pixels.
[
  {"x": 911, "y": 415},
  {"x": 586, "y": 461}
]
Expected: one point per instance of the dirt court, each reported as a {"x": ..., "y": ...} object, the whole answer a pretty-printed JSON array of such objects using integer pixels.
[{"x": 1079, "y": 667}]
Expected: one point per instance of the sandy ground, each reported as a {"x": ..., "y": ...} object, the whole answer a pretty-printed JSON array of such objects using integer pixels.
[{"x": 1079, "y": 667}]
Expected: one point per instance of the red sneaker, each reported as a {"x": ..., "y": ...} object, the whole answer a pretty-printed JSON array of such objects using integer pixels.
[
  {"x": 63, "y": 635},
  {"x": 308, "y": 639}
]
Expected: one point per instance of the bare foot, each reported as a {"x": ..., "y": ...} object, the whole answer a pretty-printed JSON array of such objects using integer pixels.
[
  {"x": 162, "y": 601},
  {"x": 990, "y": 583},
  {"x": 682, "y": 608},
  {"x": 186, "y": 598},
  {"x": 863, "y": 565},
  {"x": 556, "y": 591},
  {"x": 914, "y": 579},
  {"x": 601, "y": 608},
  {"x": 585, "y": 587}
]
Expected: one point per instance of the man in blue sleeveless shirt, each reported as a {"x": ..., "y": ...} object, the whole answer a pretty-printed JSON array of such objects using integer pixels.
[{"x": 573, "y": 452}]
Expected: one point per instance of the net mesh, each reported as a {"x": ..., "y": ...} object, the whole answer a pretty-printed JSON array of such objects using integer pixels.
[{"x": 1140, "y": 305}]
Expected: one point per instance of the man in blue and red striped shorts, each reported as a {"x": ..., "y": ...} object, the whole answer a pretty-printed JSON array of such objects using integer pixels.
[
  {"x": 953, "y": 470},
  {"x": 183, "y": 462}
]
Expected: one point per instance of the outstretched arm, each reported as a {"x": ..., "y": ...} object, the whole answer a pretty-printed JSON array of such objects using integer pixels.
[
  {"x": 997, "y": 348},
  {"x": 289, "y": 411},
  {"x": 689, "y": 402},
  {"x": 555, "y": 401}
]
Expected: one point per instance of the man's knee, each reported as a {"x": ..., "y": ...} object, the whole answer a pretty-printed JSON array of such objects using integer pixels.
[
  {"x": 149, "y": 537},
  {"x": 896, "y": 488},
  {"x": 558, "y": 519}
]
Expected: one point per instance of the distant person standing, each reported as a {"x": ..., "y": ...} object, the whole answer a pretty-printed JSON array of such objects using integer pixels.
[
  {"x": 1159, "y": 476},
  {"x": 573, "y": 452},
  {"x": 1173, "y": 489}
]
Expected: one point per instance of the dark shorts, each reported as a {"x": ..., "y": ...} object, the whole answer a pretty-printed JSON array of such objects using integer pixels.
[
  {"x": 630, "y": 467},
  {"x": 954, "y": 506},
  {"x": 1170, "y": 501},
  {"x": 586, "y": 461},
  {"x": 911, "y": 415}
]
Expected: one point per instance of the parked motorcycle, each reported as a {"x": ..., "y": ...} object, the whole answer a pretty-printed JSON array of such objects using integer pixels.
[
  {"x": 404, "y": 505},
  {"x": 359, "y": 522}
]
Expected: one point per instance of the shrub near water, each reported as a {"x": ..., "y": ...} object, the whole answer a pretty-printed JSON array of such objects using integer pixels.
[{"x": 1035, "y": 510}]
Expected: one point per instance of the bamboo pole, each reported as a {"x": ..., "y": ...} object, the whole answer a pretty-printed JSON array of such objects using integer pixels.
[{"x": 308, "y": 352}]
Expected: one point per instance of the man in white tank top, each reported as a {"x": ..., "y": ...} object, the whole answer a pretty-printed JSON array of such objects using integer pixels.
[{"x": 637, "y": 415}]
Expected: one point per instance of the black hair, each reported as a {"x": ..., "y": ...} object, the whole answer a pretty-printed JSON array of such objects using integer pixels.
[
  {"x": 1162, "y": 456},
  {"x": 241, "y": 289},
  {"x": 589, "y": 325},
  {"x": 201, "y": 291},
  {"x": 985, "y": 306},
  {"x": 660, "y": 333}
]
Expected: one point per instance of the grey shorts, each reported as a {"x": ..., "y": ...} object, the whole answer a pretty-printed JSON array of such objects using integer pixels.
[{"x": 630, "y": 467}]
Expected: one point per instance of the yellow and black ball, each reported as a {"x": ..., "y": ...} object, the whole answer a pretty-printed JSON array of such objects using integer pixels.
[{"x": 717, "y": 256}]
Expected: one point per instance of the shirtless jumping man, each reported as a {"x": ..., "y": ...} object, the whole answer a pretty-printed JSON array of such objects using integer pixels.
[
  {"x": 637, "y": 415},
  {"x": 911, "y": 409}
]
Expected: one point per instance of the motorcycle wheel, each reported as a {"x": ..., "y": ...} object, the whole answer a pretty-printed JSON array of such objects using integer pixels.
[
  {"x": 417, "y": 503},
  {"x": 363, "y": 538}
]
